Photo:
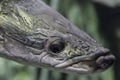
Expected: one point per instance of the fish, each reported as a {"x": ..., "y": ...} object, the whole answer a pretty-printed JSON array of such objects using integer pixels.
[{"x": 32, "y": 33}]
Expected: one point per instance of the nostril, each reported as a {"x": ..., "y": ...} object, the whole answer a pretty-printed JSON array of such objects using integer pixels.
[{"x": 104, "y": 62}]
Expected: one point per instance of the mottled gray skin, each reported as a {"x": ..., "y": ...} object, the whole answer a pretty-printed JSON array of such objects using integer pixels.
[{"x": 29, "y": 31}]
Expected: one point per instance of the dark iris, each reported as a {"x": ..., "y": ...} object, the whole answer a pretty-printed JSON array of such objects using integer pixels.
[{"x": 57, "y": 46}]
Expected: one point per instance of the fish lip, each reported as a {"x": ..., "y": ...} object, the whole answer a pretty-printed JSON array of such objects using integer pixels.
[
  {"x": 104, "y": 62},
  {"x": 97, "y": 59}
]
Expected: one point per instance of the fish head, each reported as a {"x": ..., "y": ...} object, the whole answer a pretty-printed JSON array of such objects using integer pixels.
[{"x": 38, "y": 35}]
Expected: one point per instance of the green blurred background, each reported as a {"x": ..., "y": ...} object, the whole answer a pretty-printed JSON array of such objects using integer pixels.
[{"x": 99, "y": 20}]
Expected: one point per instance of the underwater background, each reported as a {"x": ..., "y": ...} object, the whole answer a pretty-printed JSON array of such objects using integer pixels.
[{"x": 99, "y": 20}]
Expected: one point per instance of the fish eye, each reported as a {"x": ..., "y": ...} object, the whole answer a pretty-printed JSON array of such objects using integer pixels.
[{"x": 57, "y": 46}]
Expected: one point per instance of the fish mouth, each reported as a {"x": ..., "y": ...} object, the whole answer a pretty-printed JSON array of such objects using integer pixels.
[{"x": 95, "y": 62}]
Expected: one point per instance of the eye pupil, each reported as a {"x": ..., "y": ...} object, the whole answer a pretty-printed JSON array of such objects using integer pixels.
[{"x": 57, "y": 47}]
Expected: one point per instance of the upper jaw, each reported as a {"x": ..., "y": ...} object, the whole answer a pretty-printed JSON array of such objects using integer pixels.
[{"x": 94, "y": 62}]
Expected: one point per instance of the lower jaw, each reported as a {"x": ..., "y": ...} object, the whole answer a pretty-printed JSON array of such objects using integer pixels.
[{"x": 91, "y": 66}]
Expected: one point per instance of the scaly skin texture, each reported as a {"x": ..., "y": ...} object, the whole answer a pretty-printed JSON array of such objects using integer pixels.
[{"x": 34, "y": 34}]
